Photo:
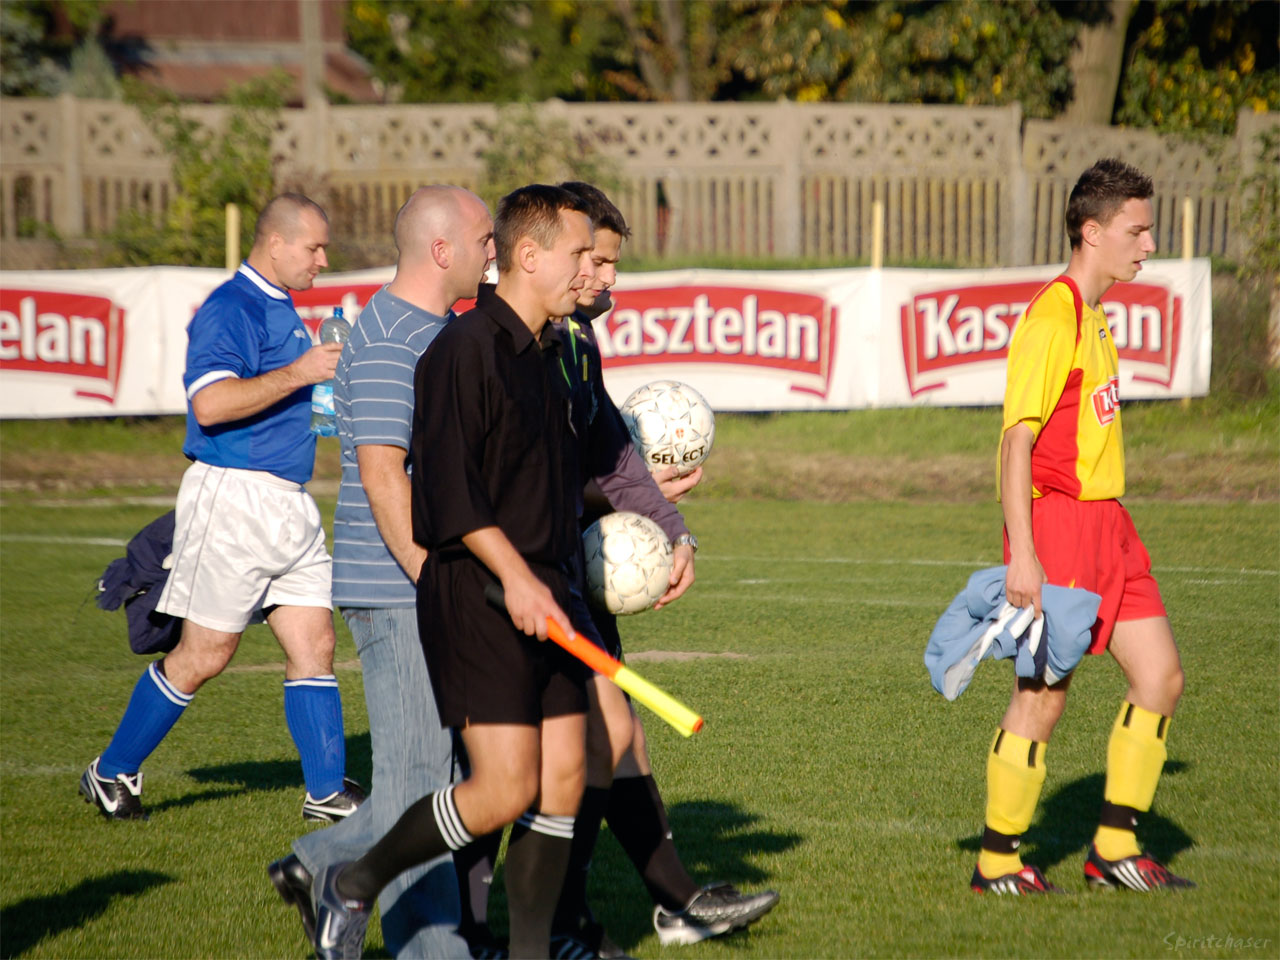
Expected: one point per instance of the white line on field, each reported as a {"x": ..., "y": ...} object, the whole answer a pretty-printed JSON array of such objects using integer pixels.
[
  {"x": 887, "y": 561},
  {"x": 735, "y": 558},
  {"x": 855, "y": 601},
  {"x": 972, "y": 564},
  {"x": 73, "y": 541}
]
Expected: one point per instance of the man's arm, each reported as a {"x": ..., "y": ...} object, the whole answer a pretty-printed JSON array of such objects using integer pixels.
[
  {"x": 628, "y": 485},
  {"x": 234, "y": 398},
  {"x": 386, "y": 484},
  {"x": 529, "y": 600},
  {"x": 1026, "y": 575}
]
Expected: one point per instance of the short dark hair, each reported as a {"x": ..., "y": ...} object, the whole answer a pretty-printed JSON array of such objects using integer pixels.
[
  {"x": 280, "y": 215},
  {"x": 1100, "y": 193},
  {"x": 604, "y": 215},
  {"x": 534, "y": 212}
]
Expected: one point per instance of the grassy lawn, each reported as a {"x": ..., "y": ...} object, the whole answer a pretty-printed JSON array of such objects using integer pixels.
[
  {"x": 828, "y": 768},
  {"x": 1202, "y": 450}
]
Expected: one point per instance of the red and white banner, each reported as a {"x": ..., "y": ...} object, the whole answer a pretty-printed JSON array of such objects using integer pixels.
[
  {"x": 113, "y": 342},
  {"x": 953, "y": 331}
]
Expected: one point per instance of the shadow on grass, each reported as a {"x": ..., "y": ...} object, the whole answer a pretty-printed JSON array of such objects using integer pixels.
[
  {"x": 271, "y": 774},
  {"x": 25, "y": 923},
  {"x": 1068, "y": 819},
  {"x": 715, "y": 842}
]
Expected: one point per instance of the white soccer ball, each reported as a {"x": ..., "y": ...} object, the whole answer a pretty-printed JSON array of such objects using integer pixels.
[
  {"x": 671, "y": 425},
  {"x": 628, "y": 562}
]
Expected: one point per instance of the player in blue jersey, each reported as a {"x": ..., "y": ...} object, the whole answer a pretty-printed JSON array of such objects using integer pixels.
[{"x": 248, "y": 539}]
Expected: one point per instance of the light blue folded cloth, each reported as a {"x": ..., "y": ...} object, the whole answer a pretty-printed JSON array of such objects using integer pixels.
[{"x": 980, "y": 624}]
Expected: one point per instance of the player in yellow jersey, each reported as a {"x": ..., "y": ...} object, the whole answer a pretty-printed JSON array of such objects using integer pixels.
[{"x": 1061, "y": 470}]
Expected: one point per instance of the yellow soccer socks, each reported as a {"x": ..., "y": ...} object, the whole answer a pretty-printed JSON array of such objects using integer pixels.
[
  {"x": 1015, "y": 776},
  {"x": 1135, "y": 757}
]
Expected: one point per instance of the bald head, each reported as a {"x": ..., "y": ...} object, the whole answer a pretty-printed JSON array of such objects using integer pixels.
[
  {"x": 444, "y": 236},
  {"x": 431, "y": 214},
  {"x": 283, "y": 215}
]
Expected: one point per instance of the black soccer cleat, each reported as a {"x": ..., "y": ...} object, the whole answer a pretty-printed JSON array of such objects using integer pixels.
[
  {"x": 1140, "y": 872},
  {"x": 717, "y": 909},
  {"x": 336, "y": 806},
  {"x": 481, "y": 943},
  {"x": 293, "y": 883},
  {"x": 588, "y": 942},
  {"x": 116, "y": 799},
  {"x": 340, "y": 922},
  {"x": 1027, "y": 881}
]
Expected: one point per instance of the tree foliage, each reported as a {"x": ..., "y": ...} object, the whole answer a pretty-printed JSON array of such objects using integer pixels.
[
  {"x": 211, "y": 168},
  {"x": 1195, "y": 65},
  {"x": 1188, "y": 64},
  {"x": 963, "y": 52},
  {"x": 478, "y": 50},
  {"x": 38, "y": 58}
]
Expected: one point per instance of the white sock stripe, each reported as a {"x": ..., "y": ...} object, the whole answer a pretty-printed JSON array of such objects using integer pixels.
[
  {"x": 549, "y": 824},
  {"x": 447, "y": 819},
  {"x": 172, "y": 693},
  {"x": 328, "y": 680}
]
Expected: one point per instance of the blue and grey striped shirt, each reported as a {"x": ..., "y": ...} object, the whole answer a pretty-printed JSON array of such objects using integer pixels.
[{"x": 373, "y": 397}]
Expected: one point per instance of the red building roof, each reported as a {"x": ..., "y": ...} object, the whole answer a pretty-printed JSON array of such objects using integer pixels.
[{"x": 195, "y": 49}]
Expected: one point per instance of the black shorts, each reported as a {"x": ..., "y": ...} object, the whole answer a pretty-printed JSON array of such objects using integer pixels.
[
  {"x": 598, "y": 626},
  {"x": 483, "y": 669}
]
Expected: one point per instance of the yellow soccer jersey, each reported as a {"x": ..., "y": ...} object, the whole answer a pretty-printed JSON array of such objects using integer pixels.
[{"x": 1064, "y": 384}]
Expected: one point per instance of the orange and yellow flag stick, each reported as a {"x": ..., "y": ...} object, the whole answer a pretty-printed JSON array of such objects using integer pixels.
[
  {"x": 663, "y": 704},
  {"x": 659, "y": 701}
]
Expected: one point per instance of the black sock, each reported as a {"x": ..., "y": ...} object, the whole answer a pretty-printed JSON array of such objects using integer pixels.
[
  {"x": 639, "y": 821},
  {"x": 537, "y": 855},
  {"x": 586, "y": 830},
  {"x": 474, "y": 865},
  {"x": 430, "y": 827}
]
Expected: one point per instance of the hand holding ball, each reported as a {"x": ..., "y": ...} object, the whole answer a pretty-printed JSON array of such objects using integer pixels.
[
  {"x": 629, "y": 562},
  {"x": 671, "y": 425}
]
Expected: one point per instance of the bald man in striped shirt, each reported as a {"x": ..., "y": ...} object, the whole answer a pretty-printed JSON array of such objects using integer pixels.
[{"x": 444, "y": 236}]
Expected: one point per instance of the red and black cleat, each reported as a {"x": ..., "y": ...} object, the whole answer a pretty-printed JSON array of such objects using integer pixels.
[
  {"x": 1028, "y": 880},
  {"x": 1141, "y": 873}
]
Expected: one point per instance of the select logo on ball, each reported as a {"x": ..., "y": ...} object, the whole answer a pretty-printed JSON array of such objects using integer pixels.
[{"x": 671, "y": 424}]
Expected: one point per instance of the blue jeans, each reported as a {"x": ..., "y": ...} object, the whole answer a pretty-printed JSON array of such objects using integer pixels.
[{"x": 412, "y": 757}]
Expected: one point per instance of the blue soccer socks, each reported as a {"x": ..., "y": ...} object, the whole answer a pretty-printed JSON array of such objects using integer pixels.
[
  {"x": 153, "y": 709},
  {"x": 313, "y": 711}
]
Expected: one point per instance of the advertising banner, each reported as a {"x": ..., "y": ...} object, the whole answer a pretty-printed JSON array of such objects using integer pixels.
[
  {"x": 113, "y": 342},
  {"x": 747, "y": 341},
  {"x": 945, "y": 334}
]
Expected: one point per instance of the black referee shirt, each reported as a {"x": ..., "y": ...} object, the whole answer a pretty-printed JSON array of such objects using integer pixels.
[{"x": 489, "y": 435}]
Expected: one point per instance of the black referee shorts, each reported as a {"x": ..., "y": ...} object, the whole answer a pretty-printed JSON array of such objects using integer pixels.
[
  {"x": 483, "y": 669},
  {"x": 598, "y": 626}
]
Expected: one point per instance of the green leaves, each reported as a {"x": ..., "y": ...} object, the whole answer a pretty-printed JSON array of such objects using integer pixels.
[{"x": 211, "y": 168}]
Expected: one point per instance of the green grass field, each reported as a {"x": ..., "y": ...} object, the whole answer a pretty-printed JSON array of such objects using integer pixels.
[{"x": 828, "y": 769}]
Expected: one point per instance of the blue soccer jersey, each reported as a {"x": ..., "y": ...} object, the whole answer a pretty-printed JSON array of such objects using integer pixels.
[
  {"x": 373, "y": 396},
  {"x": 246, "y": 328}
]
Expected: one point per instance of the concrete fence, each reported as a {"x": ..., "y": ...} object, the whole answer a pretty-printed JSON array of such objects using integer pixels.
[{"x": 979, "y": 186}]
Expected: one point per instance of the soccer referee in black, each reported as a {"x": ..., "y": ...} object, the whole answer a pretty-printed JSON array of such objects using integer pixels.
[{"x": 492, "y": 505}]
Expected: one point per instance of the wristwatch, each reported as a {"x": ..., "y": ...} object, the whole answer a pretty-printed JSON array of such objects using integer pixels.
[{"x": 686, "y": 539}]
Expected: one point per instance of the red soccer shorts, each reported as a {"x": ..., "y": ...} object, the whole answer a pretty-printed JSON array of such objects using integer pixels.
[{"x": 1093, "y": 544}]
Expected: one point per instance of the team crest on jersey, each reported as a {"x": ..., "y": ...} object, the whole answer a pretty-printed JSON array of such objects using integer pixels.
[{"x": 1106, "y": 401}]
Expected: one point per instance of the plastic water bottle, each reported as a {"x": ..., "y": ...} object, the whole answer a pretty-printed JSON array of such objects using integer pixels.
[{"x": 324, "y": 419}]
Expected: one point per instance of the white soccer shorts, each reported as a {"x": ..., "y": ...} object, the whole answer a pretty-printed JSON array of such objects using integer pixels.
[{"x": 244, "y": 540}]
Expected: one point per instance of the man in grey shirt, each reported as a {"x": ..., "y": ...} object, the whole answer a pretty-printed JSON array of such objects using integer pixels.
[{"x": 444, "y": 236}]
